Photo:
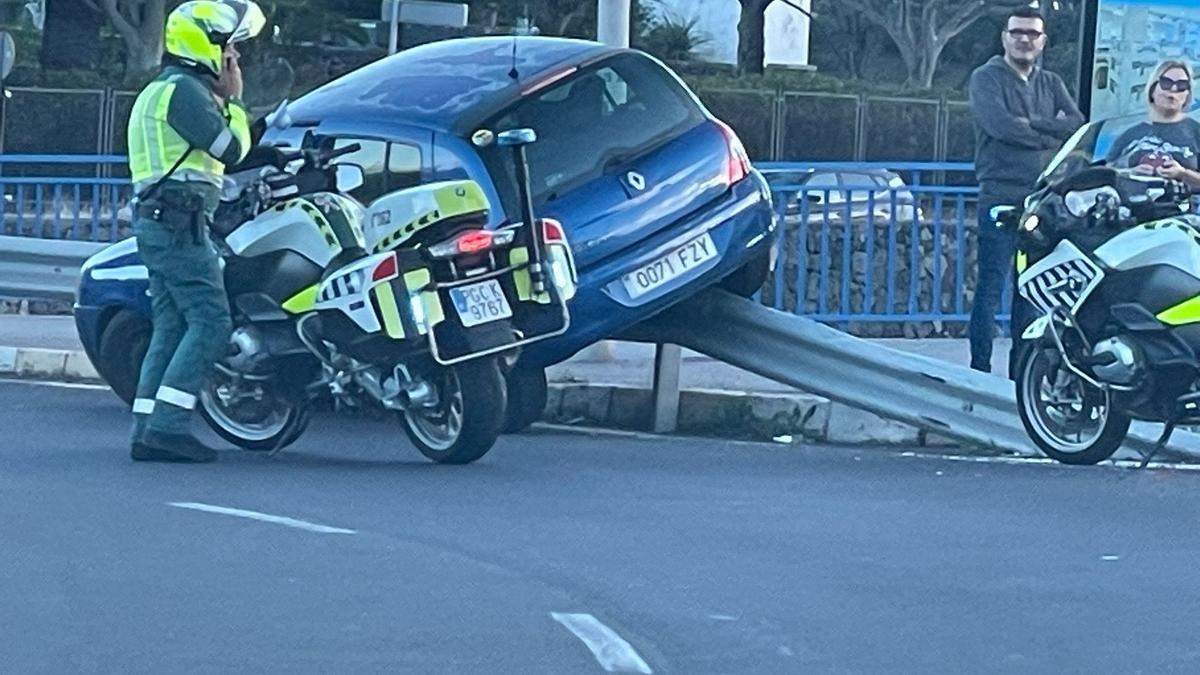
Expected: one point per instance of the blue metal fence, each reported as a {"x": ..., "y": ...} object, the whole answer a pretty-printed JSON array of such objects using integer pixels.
[
  {"x": 81, "y": 197},
  {"x": 876, "y": 242}
]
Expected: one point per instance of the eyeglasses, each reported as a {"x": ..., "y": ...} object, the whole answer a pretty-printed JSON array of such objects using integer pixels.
[
  {"x": 1025, "y": 33},
  {"x": 1167, "y": 84}
]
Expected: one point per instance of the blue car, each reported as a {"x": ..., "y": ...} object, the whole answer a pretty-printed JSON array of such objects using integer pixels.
[{"x": 657, "y": 197}]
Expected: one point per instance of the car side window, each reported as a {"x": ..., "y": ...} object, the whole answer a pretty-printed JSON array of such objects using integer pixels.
[
  {"x": 404, "y": 166},
  {"x": 387, "y": 167}
]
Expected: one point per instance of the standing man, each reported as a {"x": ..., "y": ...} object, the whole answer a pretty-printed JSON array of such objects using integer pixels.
[
  {"x": 185, "y": 127},
  {"x": 1022, "y": 115}
]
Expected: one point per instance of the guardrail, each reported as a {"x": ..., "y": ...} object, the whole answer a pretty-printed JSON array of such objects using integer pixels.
[
  {"x": 950, "y": 400},
  {"x": 42, "y": 269}
]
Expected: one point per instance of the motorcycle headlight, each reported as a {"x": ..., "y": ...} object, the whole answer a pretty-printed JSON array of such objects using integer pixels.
[{"x": 1031, "y": 222}]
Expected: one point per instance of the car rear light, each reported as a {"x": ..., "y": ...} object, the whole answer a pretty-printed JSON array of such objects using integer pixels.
[
  {"x": 737, "y": 162},
  {"x": 553, "y": 230},
  {"x": 471, "y": 242},
  {"x": 385, "y": 270}
]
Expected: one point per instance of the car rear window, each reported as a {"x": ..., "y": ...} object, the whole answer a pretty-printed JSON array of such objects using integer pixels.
[{"x": 609, "y": 113}]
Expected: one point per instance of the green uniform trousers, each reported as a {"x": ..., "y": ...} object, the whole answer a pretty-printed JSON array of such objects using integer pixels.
[{"x": 191, "y": 320}]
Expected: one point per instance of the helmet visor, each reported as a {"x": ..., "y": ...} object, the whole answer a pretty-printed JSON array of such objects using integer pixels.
[{"x": 250, "y": 23}]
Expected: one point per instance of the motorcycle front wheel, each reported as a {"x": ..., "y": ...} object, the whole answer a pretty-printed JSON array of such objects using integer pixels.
[
  {"x": 465, "y": 419},
  {"x": 1069, "y": 419}
]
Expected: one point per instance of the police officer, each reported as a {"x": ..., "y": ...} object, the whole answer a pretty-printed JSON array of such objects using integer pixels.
[{"x": 185, "y": 127}]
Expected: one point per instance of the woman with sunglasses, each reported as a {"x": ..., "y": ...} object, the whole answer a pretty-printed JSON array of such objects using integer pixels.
[{"x": 1168, "y": 144}]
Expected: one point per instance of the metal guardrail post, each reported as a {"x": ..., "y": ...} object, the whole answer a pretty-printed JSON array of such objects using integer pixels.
[{"x": 667, "y": 360}]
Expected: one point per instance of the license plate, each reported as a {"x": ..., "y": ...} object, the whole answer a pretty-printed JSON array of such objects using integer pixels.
[
  {"x": 662, "y": 271},
  {"x": 480, "y": 303}
]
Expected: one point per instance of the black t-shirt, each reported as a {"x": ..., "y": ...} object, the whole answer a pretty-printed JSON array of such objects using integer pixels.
[{"x": 1152, "y": 142}]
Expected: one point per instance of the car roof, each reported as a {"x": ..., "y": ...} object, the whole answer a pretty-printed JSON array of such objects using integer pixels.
[{"x": 451, "y": 85}]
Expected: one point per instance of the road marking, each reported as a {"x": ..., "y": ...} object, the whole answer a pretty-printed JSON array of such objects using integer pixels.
[
  {"x": 60, "y": 385},
  {"x": 1110, "y": 558},
  {"x": 611, "y": 650},
  {"x": 265, "y": 517}
]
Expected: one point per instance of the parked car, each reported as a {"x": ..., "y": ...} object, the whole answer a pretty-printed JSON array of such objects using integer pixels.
[
  {"x": 829, "y": 190},
  {"x": 657, "y": 197}
]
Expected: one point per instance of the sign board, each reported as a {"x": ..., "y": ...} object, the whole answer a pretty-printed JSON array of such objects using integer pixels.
[
  {"x": 8, "y": 54},
  {"x": 1123, "y": 42},
  {"x": 425, "y": 13}
]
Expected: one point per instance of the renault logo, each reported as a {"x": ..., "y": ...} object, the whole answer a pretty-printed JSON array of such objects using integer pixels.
[{"x": 636, "y": 180}]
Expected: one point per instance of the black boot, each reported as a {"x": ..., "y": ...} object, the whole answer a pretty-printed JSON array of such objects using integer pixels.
[{"x": 156, "y": 446}]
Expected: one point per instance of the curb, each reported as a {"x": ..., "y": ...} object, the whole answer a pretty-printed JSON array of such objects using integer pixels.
[
  {"x": 47, "y": 364},
  {"x": 735, "y": 415}
]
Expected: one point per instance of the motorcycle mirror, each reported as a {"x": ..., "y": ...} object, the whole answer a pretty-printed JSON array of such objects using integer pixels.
[
  {"x": 517, "y": 137},
  {"x": 349, "y": 177},
  {"x": 280, "y": 118},
  {"x": 1003, "y": 214}
]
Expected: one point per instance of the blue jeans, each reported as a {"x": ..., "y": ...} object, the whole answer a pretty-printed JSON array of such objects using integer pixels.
[{"x": 996, "y": 258}]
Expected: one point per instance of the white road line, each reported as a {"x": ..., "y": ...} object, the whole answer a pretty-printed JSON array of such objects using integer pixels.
[
  {"x": 611, "y": 650},
  {"x": 265, "y": 517},
  {"x": 60, "y": 385}
]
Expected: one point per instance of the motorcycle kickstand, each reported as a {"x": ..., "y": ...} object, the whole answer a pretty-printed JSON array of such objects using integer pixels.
[{"x": 1159, "y": 445}]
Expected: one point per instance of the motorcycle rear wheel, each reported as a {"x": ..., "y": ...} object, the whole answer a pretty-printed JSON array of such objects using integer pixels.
[
  {"x": 468, "y": 417},
  {"x": 269, "y": 423}
]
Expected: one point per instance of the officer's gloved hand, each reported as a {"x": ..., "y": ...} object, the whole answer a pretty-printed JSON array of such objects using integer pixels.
[{"x": 260, "y": 156}]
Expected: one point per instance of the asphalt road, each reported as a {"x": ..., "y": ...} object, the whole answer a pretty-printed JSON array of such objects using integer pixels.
[{"x": 353, "y": 554}]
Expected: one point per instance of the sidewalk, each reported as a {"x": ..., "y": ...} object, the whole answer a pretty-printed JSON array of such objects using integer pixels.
[{"x": 607, "y": 384}]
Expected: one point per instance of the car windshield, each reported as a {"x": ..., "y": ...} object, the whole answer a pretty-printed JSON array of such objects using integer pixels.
[{"x": 604, "y": 115}]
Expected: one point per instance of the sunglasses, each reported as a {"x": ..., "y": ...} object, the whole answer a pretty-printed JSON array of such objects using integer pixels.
[
  {"x": 1167, "y": 84},
  {"x": 1026, "y": 33}
]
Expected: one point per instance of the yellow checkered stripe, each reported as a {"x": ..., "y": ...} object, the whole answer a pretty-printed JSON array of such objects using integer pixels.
[{"x": 558, "y": 264}]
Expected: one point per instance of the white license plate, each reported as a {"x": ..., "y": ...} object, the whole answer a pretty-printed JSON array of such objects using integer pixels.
[
  {"x": 480, "y": 303},
  {"x": 687, "y": 257}
]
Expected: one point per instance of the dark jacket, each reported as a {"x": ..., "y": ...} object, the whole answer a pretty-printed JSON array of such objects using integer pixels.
[{"x": 1019, "y": 124}]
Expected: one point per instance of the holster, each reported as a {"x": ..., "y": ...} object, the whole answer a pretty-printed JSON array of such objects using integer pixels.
[{"x": 179, "y": 211}]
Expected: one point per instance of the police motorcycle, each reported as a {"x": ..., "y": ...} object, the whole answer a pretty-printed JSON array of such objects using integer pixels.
[
  {"x": 419, "y": 322},
  {"x": 1110, "y": 260}
]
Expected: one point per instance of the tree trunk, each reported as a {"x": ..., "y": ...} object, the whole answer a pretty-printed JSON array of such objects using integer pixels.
[
  {"x": 924, "y": 65},
  {"x": 70, "y": 37},
  {"x": 751, "y": 41}
]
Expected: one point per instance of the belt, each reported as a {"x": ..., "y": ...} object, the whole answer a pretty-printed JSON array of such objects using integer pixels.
[{"x": 195, "y": 221}]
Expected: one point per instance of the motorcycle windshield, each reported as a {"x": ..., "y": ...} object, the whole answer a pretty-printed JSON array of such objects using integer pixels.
[{"x": 1120, "y": 142}]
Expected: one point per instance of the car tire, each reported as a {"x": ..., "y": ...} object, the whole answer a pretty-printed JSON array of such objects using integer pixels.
[
  {"x": 749, "y": 278},
  {"x": 123, "y": 347},
  {"x": 528, "y": 392}
]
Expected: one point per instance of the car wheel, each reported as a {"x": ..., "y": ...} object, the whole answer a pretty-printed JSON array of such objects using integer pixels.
[
  {"x": 528, "y": 392},
  {"x": 123, "y": 347}
]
